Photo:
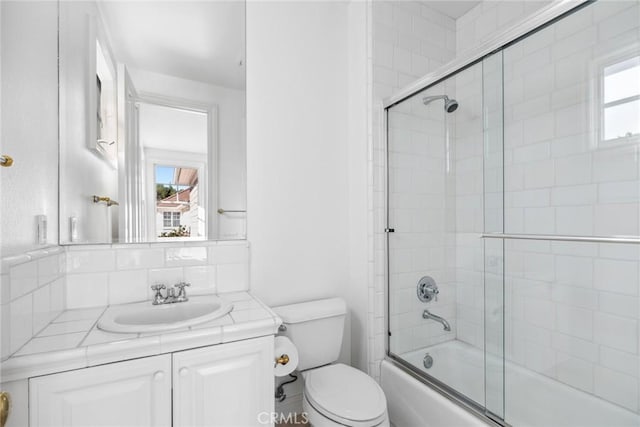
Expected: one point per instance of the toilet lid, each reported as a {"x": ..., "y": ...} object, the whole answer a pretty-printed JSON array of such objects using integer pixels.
[{"x": 345, "y": 393}]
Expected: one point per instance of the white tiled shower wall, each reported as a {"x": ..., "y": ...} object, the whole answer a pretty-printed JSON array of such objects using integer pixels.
[
  {"x": 572, "y": 308},
  {"x": 38, "y": 285}
]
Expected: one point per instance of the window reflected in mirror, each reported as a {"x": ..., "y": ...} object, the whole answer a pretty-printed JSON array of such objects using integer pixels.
[{"x": 178, "y": 214}]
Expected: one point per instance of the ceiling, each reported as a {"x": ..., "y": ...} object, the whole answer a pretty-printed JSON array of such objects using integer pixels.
[
  {"x": 452, "y": 8},
  {"x": 195, "y": 40},
  {"x": 165, "y": 128}
]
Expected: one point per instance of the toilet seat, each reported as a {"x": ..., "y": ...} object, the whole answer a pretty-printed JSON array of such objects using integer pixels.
[{"x": 345, "y": 395}]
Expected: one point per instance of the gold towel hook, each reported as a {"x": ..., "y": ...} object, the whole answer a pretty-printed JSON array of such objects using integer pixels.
[
  {"x": 6, "y": 161},
  {"x": 107, "y": 200}
]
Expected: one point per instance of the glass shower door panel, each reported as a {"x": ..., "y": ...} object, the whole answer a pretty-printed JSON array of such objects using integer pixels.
[
  {"x": 416, "y": 203},
  {"x": 494, "y": 296}
]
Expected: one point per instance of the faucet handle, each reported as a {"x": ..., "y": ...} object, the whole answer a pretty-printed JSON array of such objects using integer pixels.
[
  {"x": 158, "y": 298},
  {"x": 182, "y": 294},
  {"x": 181, "y": 285}
]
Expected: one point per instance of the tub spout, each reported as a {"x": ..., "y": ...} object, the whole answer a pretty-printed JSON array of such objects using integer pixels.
[{"x": 427, "y": 315}]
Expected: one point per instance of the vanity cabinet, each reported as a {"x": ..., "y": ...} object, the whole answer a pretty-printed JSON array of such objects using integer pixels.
[
  {"x": 221, "y": 385},
  {"x": 132, "y": 393},
  {"x": 224, "y": 385}
]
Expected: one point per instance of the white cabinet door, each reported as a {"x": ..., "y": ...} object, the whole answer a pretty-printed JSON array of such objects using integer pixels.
[
  {"x": 132, "y": 393},
  {"x": 225, "y": 385}
]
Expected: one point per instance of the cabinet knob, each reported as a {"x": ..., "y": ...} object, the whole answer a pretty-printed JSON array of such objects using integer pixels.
[
  {"x": 5, "y": 405},
  {"x": 183, "y": 372},
  {"x": 158, "y": 376}
]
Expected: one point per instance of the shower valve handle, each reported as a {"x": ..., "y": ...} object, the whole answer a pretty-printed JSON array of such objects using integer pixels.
[{"x": 427, "y": 289}]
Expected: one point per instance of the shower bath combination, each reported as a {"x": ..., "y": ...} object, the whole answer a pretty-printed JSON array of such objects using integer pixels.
[
  {"x": 450, "y": 105},
  {"x": 486, "y": 203}
]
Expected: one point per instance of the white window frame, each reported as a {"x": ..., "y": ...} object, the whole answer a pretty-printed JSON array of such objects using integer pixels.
[{"x": 600, "y": 105}]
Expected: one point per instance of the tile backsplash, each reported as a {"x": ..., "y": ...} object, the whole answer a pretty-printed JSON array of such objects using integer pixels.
[{"x": 37, "y": 286}]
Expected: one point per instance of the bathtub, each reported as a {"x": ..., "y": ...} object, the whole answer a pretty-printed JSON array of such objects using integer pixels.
[{"x": 531, "y": 399}]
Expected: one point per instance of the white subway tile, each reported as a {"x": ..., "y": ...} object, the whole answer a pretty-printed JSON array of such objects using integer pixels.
[
  {"x": 540, "y": 313},
  {"x": 41, "y": 308},
  {"x": 53, "y": 343},
  {"x": 619, "y": 192},
  {"x": 573, "y": 195},
  {"x": 201, "y": 278},
  {"x": 228, "y": 254},
  {"x": 58, "y": 296},
  {"x": 178, "y": 257},
  {"x": 5, "y": 331},
  {"x": 617, "y": 219},
  {"x": 575, "y": 296},
  {"x": 383, "y": 53},
  {"x": 577, "y": 322},
  {"x": 573, "y": 170},
  {"x": 539, "y": 174},
  {"x": 616, "y": 276},
  {"x": 383, "y": 12},
  {"x": 128, "y": 286},
  {"x": 580, "y": 41},
  {"x": 617, "y": 332},
  {"x": 48, "y": 269},
  {"x": 617, "y": 24},
  {"x": 574, "y": 220},
  {"x": 165, "y": 276},
  {"x": 87, "y": 290},
  {"x": 576, "y": 347},
  {"x": 232, "y": 277},
  {"x": 23, "y": 278},
  {"x": 615, "y": 387},
  {"x": 577, "y": 373},
  {"x": 540, "y": 359},
  {"x": 539, "y": 220},
  {"x": 402, "y": 60},
  {"x": 615, "y": 165},
  {"x": 21, "y": 321},
  {"x": 90, "y": 261},
  {"x": 134, "y": 259},
  {"x": 620, "y": 361}
]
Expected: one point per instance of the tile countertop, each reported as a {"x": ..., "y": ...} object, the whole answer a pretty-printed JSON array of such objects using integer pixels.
[{"x": 72, "y": 340}]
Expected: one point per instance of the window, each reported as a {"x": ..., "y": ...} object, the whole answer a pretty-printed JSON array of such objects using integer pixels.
[
  {"x": 171, "y": 219},
  {"x": 620, "y": 100}
]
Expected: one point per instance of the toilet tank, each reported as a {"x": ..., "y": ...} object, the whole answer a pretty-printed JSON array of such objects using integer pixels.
[{"x": 316, "y": 328}]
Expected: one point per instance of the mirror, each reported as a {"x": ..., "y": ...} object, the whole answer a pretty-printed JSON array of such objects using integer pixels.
[{"x": 152, "y": 121}]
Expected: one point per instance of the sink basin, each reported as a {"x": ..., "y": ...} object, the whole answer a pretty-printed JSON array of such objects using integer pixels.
[{"x": 144, "y": 317}]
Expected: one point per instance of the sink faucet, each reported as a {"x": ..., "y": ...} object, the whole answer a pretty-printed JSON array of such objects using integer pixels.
[
  {"x": 427, "y": 315},
  {"x": 171, "y": 296}
]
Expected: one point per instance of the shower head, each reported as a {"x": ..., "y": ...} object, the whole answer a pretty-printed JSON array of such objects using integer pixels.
[{"x": 450, "y": 105}]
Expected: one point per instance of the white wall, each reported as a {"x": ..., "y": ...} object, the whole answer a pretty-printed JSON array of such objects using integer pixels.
[
  {"x": 307, "y": 151},
  {"x": 297, "y": 150},
  {"x": 29, "y": 123}
]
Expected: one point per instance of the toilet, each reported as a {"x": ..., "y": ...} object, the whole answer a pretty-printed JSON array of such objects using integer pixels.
[{"x": 334, "y": 394}]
